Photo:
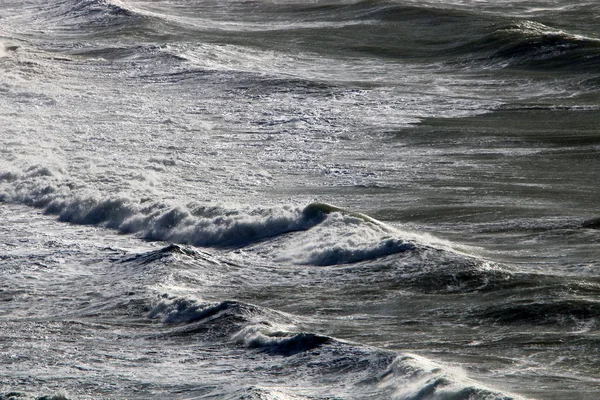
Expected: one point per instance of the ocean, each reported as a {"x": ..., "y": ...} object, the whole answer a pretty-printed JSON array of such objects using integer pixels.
[{"x": 280, "y": 199}]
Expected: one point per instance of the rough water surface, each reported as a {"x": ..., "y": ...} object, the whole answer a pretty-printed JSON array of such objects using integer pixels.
[{"x": 299, "y": 200}]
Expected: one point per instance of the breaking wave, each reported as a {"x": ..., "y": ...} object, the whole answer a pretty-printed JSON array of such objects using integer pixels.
[
  {"x": 199, "y": 226},
  {"x": 529, "y": 44},
  {"x": 343, "y": 237},
  {"x": 107, "y": 16},
  {"x": 419, "y": 33},
  {"x": 369, "y": 370}
]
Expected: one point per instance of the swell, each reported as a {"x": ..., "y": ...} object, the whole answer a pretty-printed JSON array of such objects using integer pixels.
[
  {"x": 532, "y": 45},
  {"x": 342, "y": 236},
  {"x": 82, "y": 24},
  {"x": 364, "y": 370},
  {"x": 102, "y": 7},
  {"x": 503, "y": 297},
  {"x": 317, "y": 234},
  {"x": 556, "y": 312},
  {"x": 251, "y": 326},
  {"x": 197, "y": 226},
  {"x": 476, "y": 42},
  {"x": 540, "y": 300},
  {"x": 82, "y": 16},
  {"x": 467, "y": 39},
  {"x": 460, "y": 37}
]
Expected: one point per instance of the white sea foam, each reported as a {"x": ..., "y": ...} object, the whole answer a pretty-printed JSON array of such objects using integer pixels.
[
  {"x": 181, "y": 310},
  {"x": 45, "y": 188},
  {"x": 326, "y": 235},
  {"x": 213, "y": 124},
  {"x": 338, "y": 237},
  {"x": 416, "y": 377},
  {"x": 345, "y": 237},
  {"x": 185, "y": 310},
  {"x": 401, "y": 376}
]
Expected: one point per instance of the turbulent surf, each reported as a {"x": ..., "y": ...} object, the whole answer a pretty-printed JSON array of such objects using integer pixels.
[{"x": 299, "y": 200}]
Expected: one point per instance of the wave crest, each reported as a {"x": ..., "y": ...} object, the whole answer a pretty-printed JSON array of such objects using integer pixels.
[
  {"x": 529, "y": 44},
  {"x": 345, "y": 255},
  {"x": 153, "y": 220},
  {"x": 416, "y": 377},
  {"x": 105, "y": 7}
]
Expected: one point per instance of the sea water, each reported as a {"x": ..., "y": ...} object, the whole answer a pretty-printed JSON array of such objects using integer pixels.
[{"x": 279, "y": 199}]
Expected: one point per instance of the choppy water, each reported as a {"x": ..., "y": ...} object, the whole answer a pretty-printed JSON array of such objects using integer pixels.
[{"x": 299, "y": 200}]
